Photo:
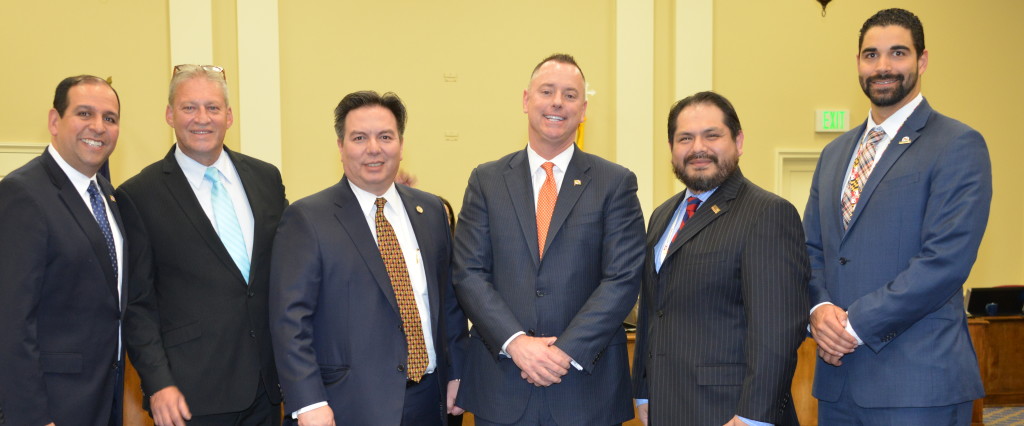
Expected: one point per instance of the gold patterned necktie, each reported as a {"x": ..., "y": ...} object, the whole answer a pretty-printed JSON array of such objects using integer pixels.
[
  {"x": 862, "y": 166},
  {"x": 398, "y": 272},
  {"x": 545, "y": 206}
]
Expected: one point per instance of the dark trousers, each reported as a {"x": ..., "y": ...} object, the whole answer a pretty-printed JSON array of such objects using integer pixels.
[
  {"x": 423, "y": 403},
  {"x": 846, "y": 412},
  {"x": 537, "y": 412},
  {"x": 260, "y": 413}
]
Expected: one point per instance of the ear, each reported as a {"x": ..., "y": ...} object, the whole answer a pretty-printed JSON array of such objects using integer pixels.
[
  {"x": 52, "y": 120},
  {"x": 169, "y": 116},
  {"x": 922, "y": 62},
  {"x": 526, "y": 98},
  {"x": 739, "y": 143},
  {"x": 229, "y": 118}
]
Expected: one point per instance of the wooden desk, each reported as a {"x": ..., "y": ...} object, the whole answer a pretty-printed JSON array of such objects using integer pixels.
[{"x": 999, "y": 342}]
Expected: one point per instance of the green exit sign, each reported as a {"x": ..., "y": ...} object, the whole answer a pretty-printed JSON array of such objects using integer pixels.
[{"x": 831, "y": 120}]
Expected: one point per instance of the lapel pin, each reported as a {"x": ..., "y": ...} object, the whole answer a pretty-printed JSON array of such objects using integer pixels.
[
  {"x": 576, "y": 182},
  {"x": 905, "y": 140},
  {"x": 419, "y": 209},
  {"x": 112, "y": 200},
  {"x": 715, "y": 208}
]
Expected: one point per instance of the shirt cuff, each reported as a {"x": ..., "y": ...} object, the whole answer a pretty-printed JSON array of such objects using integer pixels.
[
  {"x": 309, "y": 408},
  {"x": 849, "y": 329},
  {"x": 752, "y": 422},
  {"x": 576, "y": 364},
  {"x": 640, "y": 402},
  {"x": 510, "y": 339}
]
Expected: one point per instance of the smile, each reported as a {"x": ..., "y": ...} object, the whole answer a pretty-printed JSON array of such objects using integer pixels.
[
  {"x": 554, "y": 118},
  {"x": 92, "y": 142}
]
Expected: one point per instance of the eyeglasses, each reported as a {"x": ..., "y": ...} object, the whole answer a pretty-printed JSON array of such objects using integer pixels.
[{"x": 208, "y": 68}]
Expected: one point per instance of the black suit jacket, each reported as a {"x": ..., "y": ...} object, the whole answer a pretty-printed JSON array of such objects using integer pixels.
[
  {"x": 721, "y": 323},
  {"x": 192, "y": 321},
  {"x": 336, "y": 325},
  {"x": 59, "y": 303},
  {"x": 580, "y": 291}
]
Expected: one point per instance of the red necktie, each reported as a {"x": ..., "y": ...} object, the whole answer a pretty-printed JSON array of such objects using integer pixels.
[{"x": 691, "y": 207}]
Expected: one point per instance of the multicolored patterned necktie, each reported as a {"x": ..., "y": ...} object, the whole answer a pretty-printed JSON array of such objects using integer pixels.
[
  {"x": 862, "y": 166},
  {"x": 691, "y": 207},
  {"x": 545, "y": 206},
  {"x": 398, "y": 273}
]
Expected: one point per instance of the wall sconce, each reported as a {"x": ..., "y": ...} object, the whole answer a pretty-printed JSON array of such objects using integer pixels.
[{"x": 823, "y": 4}]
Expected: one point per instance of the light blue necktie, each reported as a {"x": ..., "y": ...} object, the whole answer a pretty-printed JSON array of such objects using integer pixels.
[{"x": 228, "y": 229}]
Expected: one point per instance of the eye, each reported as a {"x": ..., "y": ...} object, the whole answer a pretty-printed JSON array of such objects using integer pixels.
[
  {"x": 545, "y": 92},
  {"x": 570, "y": 96},
  {"x": 111, "y": 120},
  {"x": 188, "y": 108},
  {"x": 899, "y": 53},
  {"x": 84, "y": 114},
  {"x": 869, "y": 55},
  {"x": 712, "y": 136},
  {"x": 357, "y": 138},
  {"x": 213, "y": 108}
]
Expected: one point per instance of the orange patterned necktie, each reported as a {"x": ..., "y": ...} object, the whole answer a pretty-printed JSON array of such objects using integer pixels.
[
  {"x": 545, "y": 206},
  {"x": 398, "y": 272},
  {"x": 862, "y": 166}
]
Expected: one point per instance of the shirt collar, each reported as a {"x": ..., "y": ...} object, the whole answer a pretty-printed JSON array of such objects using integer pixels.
[
  {"x": 561, "y": 160},
  {"x": 368, "y": 201},
  {"x": 702, "y": 196},
  {"x": 195, "y": 171},
  {"x": 895, "y": 121},
  {"x": 78, "y": 180}
]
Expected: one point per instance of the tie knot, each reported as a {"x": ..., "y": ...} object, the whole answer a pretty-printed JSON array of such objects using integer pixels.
[
  {"x": 548, "y": 168},
  {"x": 691, "y": 204},
  {"x": 876, "y": 135},
  {"x": 380, "y": 202},
  {"x": 93, "y": 190},
  {"x": 212, "y": 174}
]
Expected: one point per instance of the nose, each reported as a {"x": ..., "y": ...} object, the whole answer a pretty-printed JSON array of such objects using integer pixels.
[
  {"x": 373, "y": 146},
  {"x": 202, "y": 116},
  {"x": 98, "y": 124}
]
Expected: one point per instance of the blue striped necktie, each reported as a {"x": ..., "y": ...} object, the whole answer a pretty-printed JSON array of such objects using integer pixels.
[
  {"x": 100, "y": 212},
  {"x": 228, "y": 229}
]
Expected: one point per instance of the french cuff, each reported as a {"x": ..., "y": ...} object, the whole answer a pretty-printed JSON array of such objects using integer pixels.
[{"x": 308, "y": 408}]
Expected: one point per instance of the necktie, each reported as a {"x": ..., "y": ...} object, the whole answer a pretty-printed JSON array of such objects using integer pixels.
[
  {"x": 398, "y": 273},
  {"x": 228, "y": 229},
  {"x": 691, "y": 207},
  {"x": 100, "y": 211},
  {"x": 545, "y": 205},
  {"x": 862, "y": 166}
]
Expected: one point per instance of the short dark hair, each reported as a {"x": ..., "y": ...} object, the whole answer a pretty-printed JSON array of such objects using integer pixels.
[
  {"x": 562, "y": 58},
  {"x": 356, "y": 100},
  {"x": 60, "y": 97},
  {"x": 732, "y": 121},
  {"x": 895, "y": 16}
]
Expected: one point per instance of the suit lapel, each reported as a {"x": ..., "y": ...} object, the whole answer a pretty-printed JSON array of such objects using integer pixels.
[
  {"x": 574, "y": 182},
  {"x": 715, "y": 207},
  {"x": 108, "y": 193},
  {"x": 833, "y": 184},
  {"x": 179, "y": 188},
  {"x": 520, "y": 192},
  {"x": 84, "y": 218},
  {"x": 910, "y": 130},
  {"x": 350, "y": 216},
  {"x": 258, "y": 204},
  {"x": 424, "y": 236}
]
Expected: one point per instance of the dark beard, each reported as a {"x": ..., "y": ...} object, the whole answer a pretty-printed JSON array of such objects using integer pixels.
[
  {"x": 889, "y": 99},
  {"x": 703, "y": 183}
]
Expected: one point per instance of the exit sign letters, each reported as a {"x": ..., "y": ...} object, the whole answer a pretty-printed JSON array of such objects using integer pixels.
[{"x": 831, "y": 120}]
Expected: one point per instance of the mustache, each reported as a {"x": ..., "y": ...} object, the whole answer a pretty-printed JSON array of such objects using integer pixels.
[
  {"x": 701, "y": 156},
  {"x": 897, "y": 77}
]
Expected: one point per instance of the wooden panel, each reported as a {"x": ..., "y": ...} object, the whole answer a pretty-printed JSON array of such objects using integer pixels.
[{"x": 1003, "y": 365}]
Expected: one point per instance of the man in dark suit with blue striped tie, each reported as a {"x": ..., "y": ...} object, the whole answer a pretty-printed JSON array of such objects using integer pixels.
[{"x": 724, "y": 299}]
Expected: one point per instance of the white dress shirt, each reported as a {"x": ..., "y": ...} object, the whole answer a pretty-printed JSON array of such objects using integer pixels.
[{"x": 195, "y": 173}]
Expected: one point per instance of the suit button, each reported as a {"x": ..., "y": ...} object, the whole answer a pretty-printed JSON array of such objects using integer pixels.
[
  {"x": 531, "y": 332},
  {"x": 401, "y": 367},
  {"x": 843, "y": 260},
  {"x": 661, "y": 313},
  {"x": 540, "y": 293},
  {"x": 251, "y": 293},
  {"x": 252, "y": 333}
]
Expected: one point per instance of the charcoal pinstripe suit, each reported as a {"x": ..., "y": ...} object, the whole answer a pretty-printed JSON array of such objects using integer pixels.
[{"x": 720, "y": 324}]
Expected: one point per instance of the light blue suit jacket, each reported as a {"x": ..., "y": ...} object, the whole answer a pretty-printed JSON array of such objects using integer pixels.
[{"x": 900, "y": 267}]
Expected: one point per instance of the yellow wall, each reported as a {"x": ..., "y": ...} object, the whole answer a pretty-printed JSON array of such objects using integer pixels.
[{"x": 777, "y": 61}]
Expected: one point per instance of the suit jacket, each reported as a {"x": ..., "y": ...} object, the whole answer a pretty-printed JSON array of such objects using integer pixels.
[
  {"x": 580, "y": 292},
  {"x": 192, "y": 320},
  {"x": 720, "y": 324},
  {"x": 336, "y": 326},
  {"x": 900, "y": 266},
  {"x": 58, "y": 301}
]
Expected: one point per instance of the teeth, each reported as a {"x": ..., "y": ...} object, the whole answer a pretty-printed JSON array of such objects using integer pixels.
[
  {"x": 554, "y": 117},
  {"x": 376, "y": 164},
  {"x": 93, "y": 142}
]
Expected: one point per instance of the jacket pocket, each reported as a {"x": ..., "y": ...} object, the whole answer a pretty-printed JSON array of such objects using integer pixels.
[
  {"x": 185, "y": 333},
  {"x": 721, "y": 374},
  {"x": 332, "y": 374},
  {"x": 60, "y": 362}
]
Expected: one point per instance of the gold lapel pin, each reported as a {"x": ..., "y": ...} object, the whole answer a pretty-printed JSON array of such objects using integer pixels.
[
  {"x": 715, "y": 208},
  {"x": 576, "y": 182},
  {"x": 112, "y": 200},
  {"x": 419, "y": 209},
  {"x": 905, "y": 140}
]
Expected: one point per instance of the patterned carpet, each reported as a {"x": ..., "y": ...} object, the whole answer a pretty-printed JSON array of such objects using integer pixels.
[{"x": 1004, "y": 416}]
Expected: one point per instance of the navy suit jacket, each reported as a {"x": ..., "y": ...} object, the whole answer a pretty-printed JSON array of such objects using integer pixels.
[
  {"x": 900, "y": 266},
  {"x": 335, "y": 321},
  {"x": 580, "y": 292},
  {"x": 192, "y": 320},
  {"x": 58, "y": 301},
  {"x": 721, "y": 322}
]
